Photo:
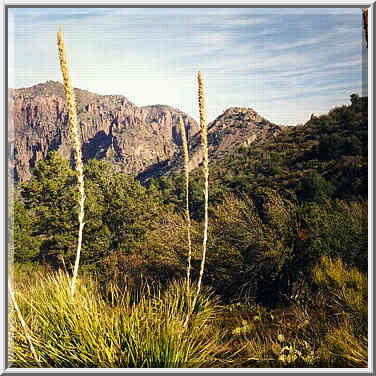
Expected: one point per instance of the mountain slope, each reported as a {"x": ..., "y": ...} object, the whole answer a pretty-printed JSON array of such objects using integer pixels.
[
  {"x": 141, "y": 141},
  {"x": 333, "y": 146},
  {"x": 325, "y": 158},
  {"x": 112, "y": 128},
  {"x": 234, "y": 128}
]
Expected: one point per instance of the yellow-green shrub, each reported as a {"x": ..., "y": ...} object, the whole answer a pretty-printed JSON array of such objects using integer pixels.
[{"x": 345, "y": 296}]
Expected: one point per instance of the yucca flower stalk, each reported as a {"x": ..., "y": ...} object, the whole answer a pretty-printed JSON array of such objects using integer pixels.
[
  {"x": 74, "y": 130},
  {"x": 365, "y": 24},
  {"x": 188, "y": 219},
  {"x": 186, "y": 176},
  {"x": 205, "y": 171},
  {"x": 24, "y": 326}
]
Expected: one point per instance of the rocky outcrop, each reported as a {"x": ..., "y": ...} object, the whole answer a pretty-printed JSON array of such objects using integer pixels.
[
  {"x": 236, "y": 127},
  {"x": 112, "y": 128},
  {"x": 142, "y": 141}
]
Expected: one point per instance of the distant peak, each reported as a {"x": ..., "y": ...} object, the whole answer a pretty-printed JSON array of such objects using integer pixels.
[
  {"x": 240, "y": 114},
  {"x": 49, "y": 83},
  {"x": 159, "y": 107},
  {"x": 52, "y": 82},
  {"x": 240, "y": 110},
  {"x": 56, "y": 88}
]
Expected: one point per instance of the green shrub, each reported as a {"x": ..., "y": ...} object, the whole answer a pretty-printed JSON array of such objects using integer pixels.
[
  {"x": 50, "y": 200},
  {"x": 314, "y": 187},
  {"x": 251, "y": 246},
  {"x": 26, "y": 244},
  {"x": 118, "y": 214},
  {"x": 337, "y": 229}
]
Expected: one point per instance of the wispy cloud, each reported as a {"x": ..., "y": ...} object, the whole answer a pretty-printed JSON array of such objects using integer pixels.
[{"x": 282, "y": 62}]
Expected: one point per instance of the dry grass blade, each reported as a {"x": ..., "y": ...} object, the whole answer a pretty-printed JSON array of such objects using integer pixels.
[
  {"x": 73, "y": 125},
  {"x": 24, "y": 326}
]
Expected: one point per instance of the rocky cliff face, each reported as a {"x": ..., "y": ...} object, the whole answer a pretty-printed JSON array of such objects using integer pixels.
[
  {"x": 133, "y": 138},
  {"x": 234, "y": 128},
  {"x": 142, "y": 141}
]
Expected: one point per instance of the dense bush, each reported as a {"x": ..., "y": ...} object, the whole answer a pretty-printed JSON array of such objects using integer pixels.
[
  {"x": 50, "y": 202},
  {"x": 337, "y": 229},
  {"x": 118, "y": 213}
]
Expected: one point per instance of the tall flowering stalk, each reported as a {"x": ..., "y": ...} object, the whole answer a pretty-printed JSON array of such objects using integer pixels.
[
  {"x": 205, "y": 170},
  {"x": 365, "y": 24},
  {"x": 73, "y": 126},
  {"x": 188, "y": 219},
  {"x": 24, "y": 326}
]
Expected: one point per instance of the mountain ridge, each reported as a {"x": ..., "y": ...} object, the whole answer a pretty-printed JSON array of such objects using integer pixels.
[
  {"x": 143, "y": 141},
  {"x": 111, "y": 127},
  {"x": 234, "y": 128}
]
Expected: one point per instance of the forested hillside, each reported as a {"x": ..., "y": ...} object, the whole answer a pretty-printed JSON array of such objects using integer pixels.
[
  {"x": 287, "y": 242},
  {"x": 326, "y": 157}
]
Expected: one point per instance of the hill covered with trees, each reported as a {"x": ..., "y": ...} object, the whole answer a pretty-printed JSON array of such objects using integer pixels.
[{"x": 287, "y": 244}]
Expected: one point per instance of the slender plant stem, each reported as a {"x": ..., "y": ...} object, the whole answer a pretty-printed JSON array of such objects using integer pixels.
[
  {"x": 365, "y": 24},
  {"x": 24, "y": 326},
  {"x": 205, "y": 170},
  {"x": 188, "y": 219},
  {"x": 73, "y": 125}
]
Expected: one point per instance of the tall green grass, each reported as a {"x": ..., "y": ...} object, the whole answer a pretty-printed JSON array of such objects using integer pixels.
[{"x": 85, "y": 330}]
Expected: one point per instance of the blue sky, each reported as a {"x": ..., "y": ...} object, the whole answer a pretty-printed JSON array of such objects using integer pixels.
[{"x": 284, "y": 63}]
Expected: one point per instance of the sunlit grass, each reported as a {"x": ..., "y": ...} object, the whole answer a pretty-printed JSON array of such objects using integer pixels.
[{"x": 86, "y": 331}]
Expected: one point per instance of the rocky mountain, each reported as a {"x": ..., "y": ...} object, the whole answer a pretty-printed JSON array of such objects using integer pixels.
[
  {"x": 112, "y": 128},
  {"x": 236, "y": 127},
  {"x": 142, "y": 141}
]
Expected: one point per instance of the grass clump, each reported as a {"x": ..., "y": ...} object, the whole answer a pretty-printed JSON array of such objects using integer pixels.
[
  {"x": 345, "y": 292},
  {"x": 85, "y": 330}
]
